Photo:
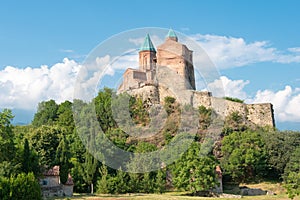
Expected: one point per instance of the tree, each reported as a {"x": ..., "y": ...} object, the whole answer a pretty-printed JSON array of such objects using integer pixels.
[
  {"x": 160, "y": 181},
  {"x": 65, "y": 117},
  {"x": 62, "y": 159},
  {"x": 4, "y": 188},
  {"x": 25, "y": 186},
  {"x": 194, "y": 172},
  {"x": 120, "y": 182},
  {"x": 45, "y": 140},
  {"x": 26, "y": 157},
  {"x": 292, "y": 184},
  {"x": 280, "y": 146},
  {"x": 90, "y": 167},
  {"x": 103, "y": 186},
  {"x": 7, "y": 146},
  {"x": 103, "y": 103},
  {"x": 244, "y": 156},
  {"x": 46, "y": 113},
  {"x": 292, "y": 174}
]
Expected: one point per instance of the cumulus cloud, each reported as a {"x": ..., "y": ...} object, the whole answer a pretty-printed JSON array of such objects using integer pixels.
[
  {"x": 227, "y": 87},
  {"x": 230, "y": 52},
  {"x": 286, "y": 102},
  {"x": 24, "y": 88}
]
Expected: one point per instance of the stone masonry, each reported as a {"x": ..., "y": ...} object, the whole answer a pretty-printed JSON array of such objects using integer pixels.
[{"x": 169, "y": 71}]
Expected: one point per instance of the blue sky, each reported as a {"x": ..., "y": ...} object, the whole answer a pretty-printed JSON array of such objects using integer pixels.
[{"x": 62, "y": 33}]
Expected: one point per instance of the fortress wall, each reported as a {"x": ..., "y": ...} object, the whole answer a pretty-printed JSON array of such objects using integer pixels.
[
  {"x": 182, "y": 96},
  {"x": 148, "y": 93},
  {"x": 261, "y": 114},
  {"x": 225, "y": 107},
  {"x": 201, "y": 98}
]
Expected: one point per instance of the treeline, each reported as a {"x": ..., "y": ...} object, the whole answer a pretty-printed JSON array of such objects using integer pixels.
[{"x": 245, "y": 153}]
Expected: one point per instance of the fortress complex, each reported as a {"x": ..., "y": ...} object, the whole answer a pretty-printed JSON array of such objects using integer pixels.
[{"x": 169, "y": 71}]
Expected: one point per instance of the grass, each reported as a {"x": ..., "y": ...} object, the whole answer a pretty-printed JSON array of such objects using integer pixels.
[
  {"x": 168, "y": 196},
  {"x": 275, "y": 187}
]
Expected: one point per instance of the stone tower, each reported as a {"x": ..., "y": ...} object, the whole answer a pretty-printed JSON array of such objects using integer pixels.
[
  {"x": 147, "y": 59},
  {"x": 179, "y": 58}
]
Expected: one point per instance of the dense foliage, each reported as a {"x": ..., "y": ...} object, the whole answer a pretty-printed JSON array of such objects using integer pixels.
[
  {"x": 245, "y": 153},
  {"x": 24, "y": 186}
]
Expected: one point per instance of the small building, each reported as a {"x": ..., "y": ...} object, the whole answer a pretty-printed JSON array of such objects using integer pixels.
[{"x": 51, "y": 185}]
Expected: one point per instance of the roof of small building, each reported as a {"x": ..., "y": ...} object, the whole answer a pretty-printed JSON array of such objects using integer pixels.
[
  {"x": 54, "y": 171},
  {"x": 147, "y": 45},
  {"x": 70, "y": 180}
]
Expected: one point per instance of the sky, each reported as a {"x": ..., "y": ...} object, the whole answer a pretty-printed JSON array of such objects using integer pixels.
[{"x": 255, "y": 46}]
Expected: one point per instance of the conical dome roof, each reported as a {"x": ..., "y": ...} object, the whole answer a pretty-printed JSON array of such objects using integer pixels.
[
  {"x": 147, "y": 45},
  {"x": 172, "y": 35}
]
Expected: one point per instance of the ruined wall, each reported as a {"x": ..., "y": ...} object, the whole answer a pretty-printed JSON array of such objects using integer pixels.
[
  {"x": 261, "y": 114},
  {"x": 201, "y": 98},
  {"x": 148, "y": 93}
]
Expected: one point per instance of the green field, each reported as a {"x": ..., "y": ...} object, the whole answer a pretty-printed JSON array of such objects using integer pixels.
[
  {"x": 167, "y": 196},
  {"x": 275, "y": 187}
]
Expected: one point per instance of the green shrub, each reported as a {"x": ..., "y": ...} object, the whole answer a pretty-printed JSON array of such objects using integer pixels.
[
  {"x": 169, "y": 104},
  {"x": 234, "y": 99},
  {"x": 24, "y": 186},
  {"x": 4, "y": 188}
]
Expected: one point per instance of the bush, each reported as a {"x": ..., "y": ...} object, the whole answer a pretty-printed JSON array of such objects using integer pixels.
[
  {"x": 24, "y": 186},
  {"x": 169, "y": 104},
  {"x": 205, "y": 115},
  {"x": 4, "y": 188},
  {"x": 234, "y": 99}
]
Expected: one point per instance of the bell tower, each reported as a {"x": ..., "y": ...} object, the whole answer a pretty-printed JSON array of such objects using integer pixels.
[{"x": 147, "y": 58}]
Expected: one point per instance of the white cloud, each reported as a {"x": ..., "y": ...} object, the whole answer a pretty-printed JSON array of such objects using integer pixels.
[
  {"x": 227, "y": 87},
  {"x": 92, "y": 73},
  {"x": 286, "y": 103},
  {"x": 24, "y": 88},
  {"x": 230, "y": 52},
  {"x": 294, "y": 49}
]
